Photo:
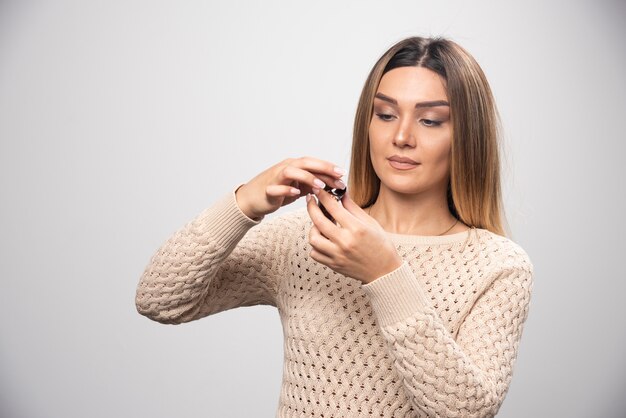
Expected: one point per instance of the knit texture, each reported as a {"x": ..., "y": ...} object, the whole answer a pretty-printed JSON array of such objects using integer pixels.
[{"x": 437, "y": 337}]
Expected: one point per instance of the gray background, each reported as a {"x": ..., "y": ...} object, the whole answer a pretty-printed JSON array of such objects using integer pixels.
[{"x": 121, "y": 120}]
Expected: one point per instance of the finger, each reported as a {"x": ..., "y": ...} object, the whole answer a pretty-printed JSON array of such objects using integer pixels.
[
  {"x": 351, "y": 206},
  {"x": 323, "y": 224},
  {"x": 334, "y": 208},
  {"x": 321, "y": 258},
  {"x": 305, "y": 179},
  {"x": 278, "y": 190},
  {"x": 320, "y": 243},
  {"x": 315, "y": 165}
]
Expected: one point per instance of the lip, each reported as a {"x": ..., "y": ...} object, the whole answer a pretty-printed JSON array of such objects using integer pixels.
[
  {"x": 402, "y": 166},
  {"x": 402, "y": 159}
]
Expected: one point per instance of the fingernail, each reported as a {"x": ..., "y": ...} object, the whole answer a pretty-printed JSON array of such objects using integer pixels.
[
  {"x": 340, "y": 184},
  {"x": 319, "y": 183},
  {"x": 339, "y": 170},
  {"x": 316, "y": 190},
  {"x": 294, "y": 190},
  {"x": 308, "y": 197}
]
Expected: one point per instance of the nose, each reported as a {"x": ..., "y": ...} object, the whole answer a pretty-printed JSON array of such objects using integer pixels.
[{"x": 404, "y": 135}]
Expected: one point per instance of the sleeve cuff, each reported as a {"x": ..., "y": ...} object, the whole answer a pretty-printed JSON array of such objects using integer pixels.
[
  {"x": 396, "y": 295},
  {"x": 225, "y": 219}
]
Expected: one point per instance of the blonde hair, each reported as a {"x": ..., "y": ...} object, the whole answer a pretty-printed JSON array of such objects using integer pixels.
[{"x": 474, "y": 189}]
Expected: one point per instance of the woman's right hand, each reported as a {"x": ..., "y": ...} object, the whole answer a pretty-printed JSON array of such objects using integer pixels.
[{"x": 272, "y": 188}]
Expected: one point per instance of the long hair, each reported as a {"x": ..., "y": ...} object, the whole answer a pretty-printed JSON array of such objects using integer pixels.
[{"x": 474, "y": 190}]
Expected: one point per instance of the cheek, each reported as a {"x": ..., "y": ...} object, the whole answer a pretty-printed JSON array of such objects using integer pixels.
[
  {"x": 443, "y": 151},
  {"x": 379, "y": 131},
  {"x": 439, "y": 158},
  {"x": 438, "y": 146}
]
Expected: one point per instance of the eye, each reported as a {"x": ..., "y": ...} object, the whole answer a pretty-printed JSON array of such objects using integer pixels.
[
  {"x": 432, "y": 122},
  {"x": 383, "y": 116}
]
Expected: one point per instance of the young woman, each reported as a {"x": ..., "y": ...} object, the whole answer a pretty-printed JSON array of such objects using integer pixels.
[{"x": 412, "y": 301}]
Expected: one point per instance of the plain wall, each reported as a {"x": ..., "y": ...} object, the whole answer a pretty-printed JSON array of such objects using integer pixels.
[{"x": 121, "y": 120}]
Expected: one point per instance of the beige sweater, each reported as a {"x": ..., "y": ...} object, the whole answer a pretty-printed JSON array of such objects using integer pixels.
[{"x": 437, "y": 337}]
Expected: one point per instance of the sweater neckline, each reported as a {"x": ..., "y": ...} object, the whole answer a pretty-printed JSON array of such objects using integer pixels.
[
  {"x": 429, "y": 239},
  {"x": 421, "y": 239}
]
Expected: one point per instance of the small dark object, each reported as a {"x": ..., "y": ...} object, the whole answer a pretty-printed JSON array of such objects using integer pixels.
[{"x": 337, "y": 194}]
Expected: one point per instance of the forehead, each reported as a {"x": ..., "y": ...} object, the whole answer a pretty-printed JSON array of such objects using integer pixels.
[{"x": 413, "y": 84}]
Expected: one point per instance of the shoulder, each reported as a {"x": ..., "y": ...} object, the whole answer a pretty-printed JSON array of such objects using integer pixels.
[
  {"x": 504, "y": 253},
  {"x": 507, "y": 266}
]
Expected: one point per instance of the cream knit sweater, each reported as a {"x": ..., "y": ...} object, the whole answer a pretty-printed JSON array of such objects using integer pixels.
[{"x": 437, "y": 337}]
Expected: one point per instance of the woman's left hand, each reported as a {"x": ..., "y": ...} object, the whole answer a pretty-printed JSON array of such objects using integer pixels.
[{"x": 357, "y": 246}]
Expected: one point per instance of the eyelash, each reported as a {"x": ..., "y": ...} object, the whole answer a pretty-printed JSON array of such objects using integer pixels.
[{"x": 433, "y": 124}]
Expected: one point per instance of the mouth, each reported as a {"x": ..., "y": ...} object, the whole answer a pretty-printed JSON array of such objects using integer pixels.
[
  {"x": 402, "y": 159},
  {"x": 402, "y": 165}
]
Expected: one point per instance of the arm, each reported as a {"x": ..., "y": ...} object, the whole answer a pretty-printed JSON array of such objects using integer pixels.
[
  {"x": 220, "y": 260},
  {"x": 444, "y": 377}
]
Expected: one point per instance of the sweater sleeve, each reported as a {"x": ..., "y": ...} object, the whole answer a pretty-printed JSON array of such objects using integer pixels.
[
  {"x": 220, "y": 260},
  {"x": 446, "y": 377}
]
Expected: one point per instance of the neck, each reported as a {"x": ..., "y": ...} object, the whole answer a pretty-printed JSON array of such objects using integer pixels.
[{"x": 424, "y": 213}]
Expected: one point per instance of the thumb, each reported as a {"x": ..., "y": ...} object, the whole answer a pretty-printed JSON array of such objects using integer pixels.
[{"x": 351, "y": 206}]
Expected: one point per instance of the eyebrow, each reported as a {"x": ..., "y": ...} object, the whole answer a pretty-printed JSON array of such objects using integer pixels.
[{"x": 431, "y": 103}]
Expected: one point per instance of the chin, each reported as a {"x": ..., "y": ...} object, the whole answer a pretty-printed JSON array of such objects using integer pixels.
[{"x": 405, "y": 185}]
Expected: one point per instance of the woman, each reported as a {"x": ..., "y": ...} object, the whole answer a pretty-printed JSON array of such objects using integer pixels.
[{"x": 413, "y": 302}]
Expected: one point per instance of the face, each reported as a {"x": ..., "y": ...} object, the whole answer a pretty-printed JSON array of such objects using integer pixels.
[{"x": 422, "y": 133}]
